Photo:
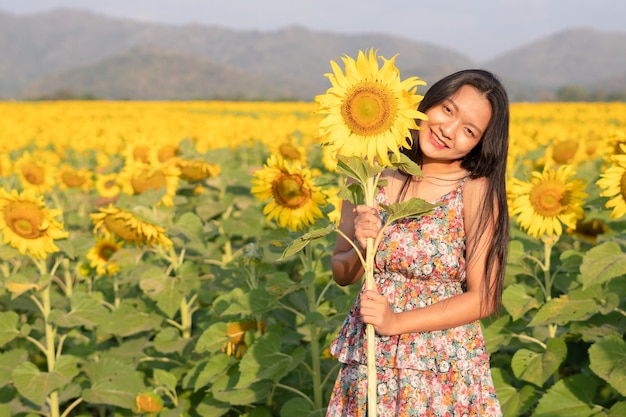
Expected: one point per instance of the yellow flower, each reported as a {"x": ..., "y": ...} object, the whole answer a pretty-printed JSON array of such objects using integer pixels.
[
  {"x": 100, "y": 255},
  {"x": 613, "y": 184},
  {"x": 197, "y": 170},
  {"x": 288, "y": 149},
  {"x": 236, "y": 331},
  {"x": 369, "y": 111},
  {"x": 148, "y": 402},
  {"x": 35, "y": 174},
  {"x": 6, "y": 165},
  {"x": 333, "y": 198},
  {"x": 127, "y": 226},
  {"x": 549, "y": 200},
  {"x": 293, "y": 199},
  {"x": 107, "y": 186},
  {"x": 139, "y": 178},
  {"x": 26, "y": 224},
  {"x": 70, "y": 177}
]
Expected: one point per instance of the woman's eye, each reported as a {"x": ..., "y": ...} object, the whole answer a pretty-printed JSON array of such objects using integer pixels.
[{"x": 470, "y": 132}]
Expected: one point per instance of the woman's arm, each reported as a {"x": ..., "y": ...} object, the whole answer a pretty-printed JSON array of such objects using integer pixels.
[
  {"x": 451, "y": 312},
  {"x": 357, "y": 223}
]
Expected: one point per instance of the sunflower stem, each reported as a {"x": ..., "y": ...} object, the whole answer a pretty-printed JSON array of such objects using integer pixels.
[
  {"x": 370, "y": 187},
  {"x": 316, "y": 369}
]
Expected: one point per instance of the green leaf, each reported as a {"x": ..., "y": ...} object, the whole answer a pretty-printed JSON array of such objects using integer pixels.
[
  {"x": 602, "y": 263},
  {"x": 536, "y": 367},
  {"x": 35, "y": 385},
  {"x": 563, "y": 310},
  {"x": 618, "y": 409},
  {"x": 85, "y": 311},
  {"x": 264, "y": 360},
  {"x": 495, "y": 332},
  {"x": 8, "y": 326},
  {"x": 296, "y": 407},
  {"x": 216, "y": 367},
  {"x": 9, "y": 361},
  {"x": 517, "y": 301},
  {"x": 209, "y": 407},
  {"x": 163, "y": 289},
  {"x": 169, "y": 340},
  {"x": 410, "y": 208},
  {"x": 357, "y": 168},
  {"x": 302, "y": 241},
  {"x": 352, "y": 193},
  {"x": 607, "y": 359},
  {"x": 569, "y": 397},
  {"x": 162, "y": 378},
  {"x": 112, "y": 383},
  {"x": 240, "y": 396},
  {"x": 406, "y": 164},
  {"x": 128, "y": 319},
  {"x": 213, "y": 339},
  {"x": 513, "y": 400}
]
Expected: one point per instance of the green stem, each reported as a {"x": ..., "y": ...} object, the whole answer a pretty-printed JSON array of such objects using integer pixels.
[
  {"x": 185, "y": 318},
  {"x": 370, "y": 188},
  {"x": 50, "y": 333},
  {"x": 315, "y": 335}
]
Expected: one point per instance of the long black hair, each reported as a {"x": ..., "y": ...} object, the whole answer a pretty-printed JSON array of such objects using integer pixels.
[{"x": 486, "y": 159}]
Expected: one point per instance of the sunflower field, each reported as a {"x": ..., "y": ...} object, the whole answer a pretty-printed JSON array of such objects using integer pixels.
[{"x": 173, "y": 259}]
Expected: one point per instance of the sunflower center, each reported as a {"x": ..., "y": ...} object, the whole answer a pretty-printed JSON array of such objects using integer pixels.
[
  {"x": 72, "y": 179},
  {"x": 549, "y": 198},
  {"x": 167, "y": 152},
  {"x": 105, "y": 251},
  {"x": 369, "y": 109},
  {"x": 34, "y": 174},
  {"x": 25, "y": 219},
  {"x": 564, "y": 151},
  {"x": 121, "y": 228},
  {"x": 141, "y": 183},
  {"x": 140, "y": 153},
  {"x": 290, "y": 191},
  {"x": 289, "y": 151}
]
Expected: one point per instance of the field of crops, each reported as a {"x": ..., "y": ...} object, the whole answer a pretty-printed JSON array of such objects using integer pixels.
[{"x": 143, "y": 272}]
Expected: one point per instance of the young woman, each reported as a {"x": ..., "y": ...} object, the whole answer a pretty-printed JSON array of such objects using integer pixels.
[{"x": 438, "y": 274}]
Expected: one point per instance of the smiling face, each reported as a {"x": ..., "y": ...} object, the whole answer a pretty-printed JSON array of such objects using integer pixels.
[{"x": 454, "y": 126}]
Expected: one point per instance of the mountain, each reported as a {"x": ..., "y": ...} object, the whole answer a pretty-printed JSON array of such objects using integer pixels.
[{"x": 89, "y": 54}]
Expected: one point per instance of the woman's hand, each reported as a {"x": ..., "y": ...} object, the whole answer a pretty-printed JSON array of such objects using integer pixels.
[
  {"x": 367, "y": 224},
  {"x": 375, "y": 310}
]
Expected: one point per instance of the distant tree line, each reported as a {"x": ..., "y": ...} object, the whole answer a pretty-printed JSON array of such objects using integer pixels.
[{"x": 580, "y": 93}]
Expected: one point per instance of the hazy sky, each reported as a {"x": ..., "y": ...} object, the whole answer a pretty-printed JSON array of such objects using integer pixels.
[{"x": 481, "y": 29}]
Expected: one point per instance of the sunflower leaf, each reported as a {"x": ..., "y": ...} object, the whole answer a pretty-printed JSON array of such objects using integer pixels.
[
  {"x": 352, "y": 193},
  {"x": 357, "y": 168},
  {"x": 602, "y": 263},
  {"x": 406, "y": 164},
  {"x": 607, "y": 359},
  {"x": 302, "y": 241},
  {"x": 414, "y": 207}
]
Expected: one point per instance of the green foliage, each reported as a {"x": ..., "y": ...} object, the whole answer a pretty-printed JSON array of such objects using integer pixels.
[{"x": 236, "y": 319}]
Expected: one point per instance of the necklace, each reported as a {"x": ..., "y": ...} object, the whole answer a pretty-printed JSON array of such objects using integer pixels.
[{"x": 419, "y": 179}]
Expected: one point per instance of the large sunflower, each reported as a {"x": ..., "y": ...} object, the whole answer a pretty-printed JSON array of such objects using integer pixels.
[
  {"x": 36, "y": 174},
  {"x": 368, "y": 111},
  {"x": 549, "y": 200},
  {"x": 101, "y": 253},
  {"x": 197, "y": 170},
  {"x": 613, "y": 183},
  {"x": 138, "y": 178},
  {"x": 127, "y": 226},
  {"x": 26, "y": 224},
  {"x": 293, "y": 199},
  {"x": 70, "y": 177}
]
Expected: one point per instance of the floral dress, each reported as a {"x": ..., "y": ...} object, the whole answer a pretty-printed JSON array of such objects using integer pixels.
[{"x": 419, "y": 261}]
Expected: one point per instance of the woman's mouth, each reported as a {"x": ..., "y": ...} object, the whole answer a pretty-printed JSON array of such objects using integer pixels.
[{"x": 438, "y": 143}]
